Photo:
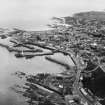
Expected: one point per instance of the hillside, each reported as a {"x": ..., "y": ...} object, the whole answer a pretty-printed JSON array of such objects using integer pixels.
[{"x": 86, "y": 16}]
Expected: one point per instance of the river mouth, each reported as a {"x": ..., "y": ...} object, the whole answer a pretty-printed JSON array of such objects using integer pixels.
[{"x": 95, "y": 83}]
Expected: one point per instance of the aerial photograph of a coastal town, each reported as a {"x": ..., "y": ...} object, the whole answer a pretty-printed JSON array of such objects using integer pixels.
[{"x": 52, "y": 52}]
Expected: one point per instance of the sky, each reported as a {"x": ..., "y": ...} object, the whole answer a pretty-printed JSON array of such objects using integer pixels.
[{"x": 35, "y": 14}]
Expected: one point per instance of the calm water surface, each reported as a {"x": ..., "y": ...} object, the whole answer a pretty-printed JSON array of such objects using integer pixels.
[{"x": 9, "y": 64}]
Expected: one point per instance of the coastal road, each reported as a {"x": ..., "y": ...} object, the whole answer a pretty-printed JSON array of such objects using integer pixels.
[
  {"x": 77, "y": 87},
  {"x": 77, "y": 91}
]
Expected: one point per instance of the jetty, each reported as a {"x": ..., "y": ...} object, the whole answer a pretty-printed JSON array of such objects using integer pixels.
[
  {"x": 13, "y": 49},
  {"x": 57, "y": 62}
]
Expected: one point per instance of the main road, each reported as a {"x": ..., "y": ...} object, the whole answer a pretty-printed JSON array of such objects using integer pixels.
[{"x": 78, "y": 90}]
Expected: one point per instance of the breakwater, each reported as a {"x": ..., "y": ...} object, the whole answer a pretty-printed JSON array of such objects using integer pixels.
[
  {"x": 19, "y": 45},
  {"x": 58, "y": 62},
  {"x": 54, "y": 50},
  {"x": 27, "y": 56},
  {"x": 13, "y": 49}
]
